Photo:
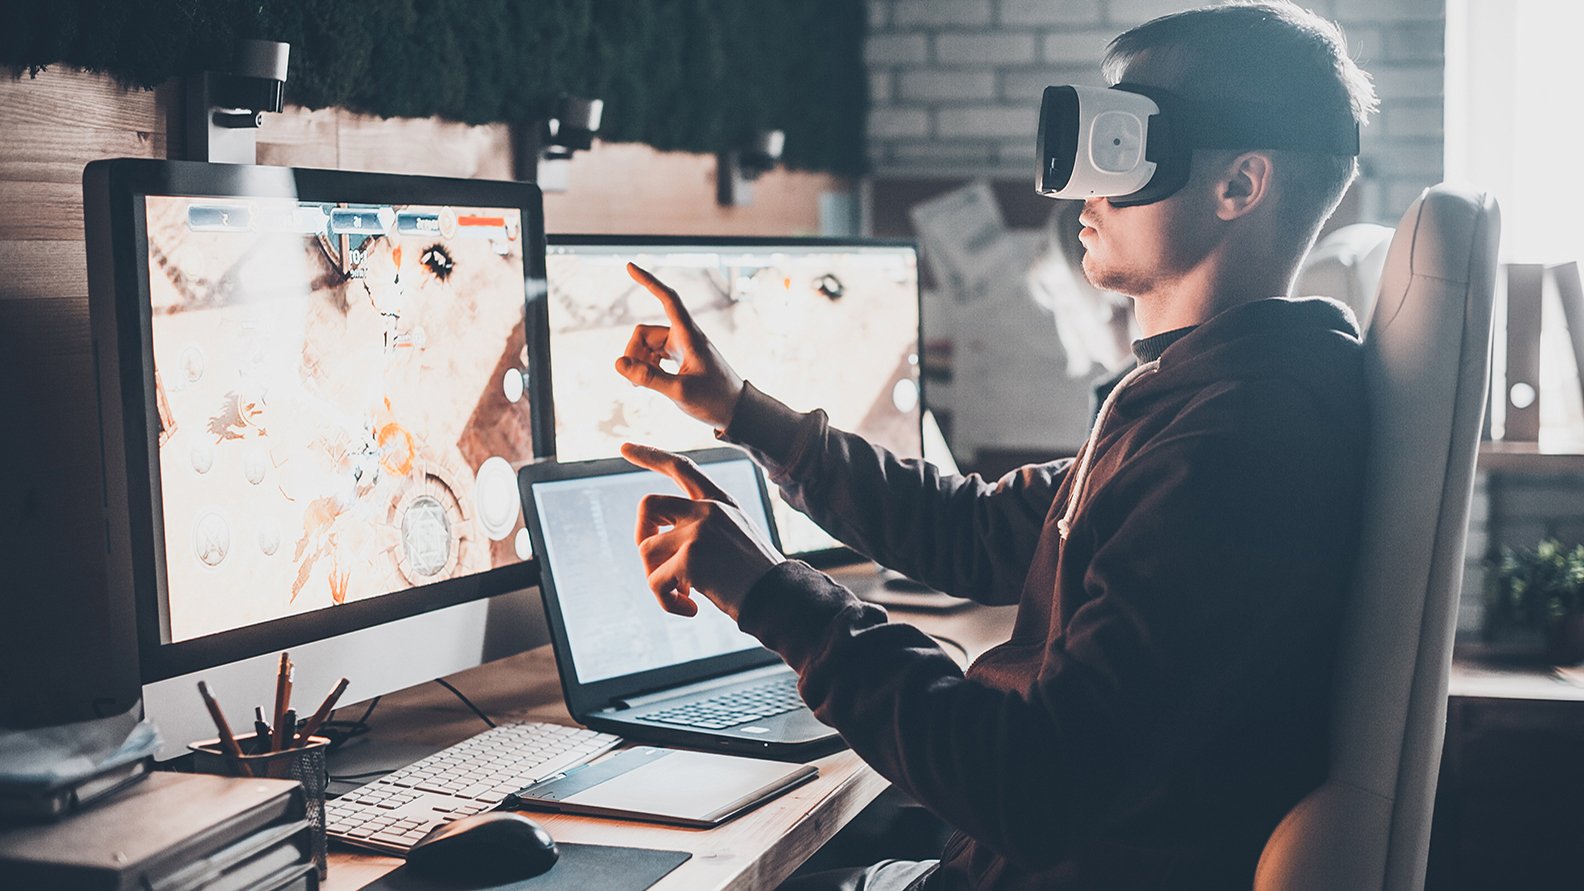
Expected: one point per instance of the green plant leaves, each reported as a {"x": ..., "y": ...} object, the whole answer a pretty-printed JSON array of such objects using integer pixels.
[{"x": 1535, "y": 587}]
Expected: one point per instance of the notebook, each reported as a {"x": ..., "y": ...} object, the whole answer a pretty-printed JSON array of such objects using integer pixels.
[{"x": 627, "y": 666}]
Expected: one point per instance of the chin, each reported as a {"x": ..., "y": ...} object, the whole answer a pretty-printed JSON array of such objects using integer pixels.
[{"x": 1109, "y": 278}]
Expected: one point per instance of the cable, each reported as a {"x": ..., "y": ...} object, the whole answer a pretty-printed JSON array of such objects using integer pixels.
[
  {"x": 354, "y": 777},
  {"x": 943, "y": 639},
  {"x": 338, "y": 732},
  {"x": 465, "y": 701},
  {"x": 341, "y": 731}
]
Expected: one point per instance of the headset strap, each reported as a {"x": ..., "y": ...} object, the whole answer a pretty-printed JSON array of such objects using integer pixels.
[{"x": 1239, "y": 124}]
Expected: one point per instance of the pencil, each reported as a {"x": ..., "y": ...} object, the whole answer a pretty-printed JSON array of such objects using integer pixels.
[
  {"x": 283, "y": 676},
  {"x": 323, "y": 713},
  {"x": 228, "y": 743}
]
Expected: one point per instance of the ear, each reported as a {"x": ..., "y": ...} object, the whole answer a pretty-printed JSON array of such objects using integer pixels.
[{"x": 1245, "y": 184}]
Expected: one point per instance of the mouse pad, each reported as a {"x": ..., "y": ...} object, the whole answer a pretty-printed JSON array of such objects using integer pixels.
[{"x": 580, "y": 867}]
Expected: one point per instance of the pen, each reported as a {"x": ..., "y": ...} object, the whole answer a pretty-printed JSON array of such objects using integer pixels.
[
  {"x": 283, "y": 681},
  {"x": 288, "y": 730},
  {"x": 323, "y": 713},
  {"x": 228, "y": 743},
  {"x": 261, "y": 729}
]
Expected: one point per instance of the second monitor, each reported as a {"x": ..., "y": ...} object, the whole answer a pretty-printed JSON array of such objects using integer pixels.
[{"x": 816, "y": 323}]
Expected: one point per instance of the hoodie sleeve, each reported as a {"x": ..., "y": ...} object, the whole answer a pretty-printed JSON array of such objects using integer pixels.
[
  {"x": 1215, "y": 572},
  {"x": 961, "y": 535}
]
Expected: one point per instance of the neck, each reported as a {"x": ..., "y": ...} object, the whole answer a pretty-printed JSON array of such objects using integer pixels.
[{"x": 1214, "y": 286}]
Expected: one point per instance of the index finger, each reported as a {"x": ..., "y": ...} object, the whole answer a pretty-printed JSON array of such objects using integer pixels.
[
  {"x": 679, "y": 468},
  {"x": 674, "y": 309},
  {"x": 658, "y": 511}
]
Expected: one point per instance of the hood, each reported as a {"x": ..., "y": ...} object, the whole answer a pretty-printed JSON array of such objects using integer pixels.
[
  {"x": 1310, "y": 341},
  {"x": 1313, "y": 341}
]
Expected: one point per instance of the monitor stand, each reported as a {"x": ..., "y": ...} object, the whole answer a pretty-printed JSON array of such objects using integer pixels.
[{"x": 377, "y": 660}]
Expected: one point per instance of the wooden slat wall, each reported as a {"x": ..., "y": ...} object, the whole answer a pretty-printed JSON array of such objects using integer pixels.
[{"x": 52, "y": 125}]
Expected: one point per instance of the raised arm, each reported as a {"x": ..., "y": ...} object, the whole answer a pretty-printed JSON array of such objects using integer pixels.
[
  {"x": 960, "y": 534},
  {"x": 963, "y": 535}
]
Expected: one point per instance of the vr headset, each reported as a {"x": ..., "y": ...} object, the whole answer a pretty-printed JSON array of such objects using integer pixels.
[{"x": 1132, "y": 144}]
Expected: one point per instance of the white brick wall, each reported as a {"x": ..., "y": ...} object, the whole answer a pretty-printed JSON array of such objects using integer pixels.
[
  {"x": 948, "y": 77},
  {"x": 941, "y": 84},
  {"x": 956, "y": 14},
  {"x": 1044, "y": 12},
  {"x": 985, "y": 51}
]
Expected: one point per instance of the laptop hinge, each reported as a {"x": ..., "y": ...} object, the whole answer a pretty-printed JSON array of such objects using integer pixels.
[{"x": 640, "y": 700}]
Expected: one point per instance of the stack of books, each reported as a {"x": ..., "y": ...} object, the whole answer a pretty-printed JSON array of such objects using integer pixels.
[{"x": 173, "y": 832}]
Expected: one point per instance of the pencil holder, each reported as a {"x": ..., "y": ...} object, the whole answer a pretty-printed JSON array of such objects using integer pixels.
[{"x": 305, "y": 764}]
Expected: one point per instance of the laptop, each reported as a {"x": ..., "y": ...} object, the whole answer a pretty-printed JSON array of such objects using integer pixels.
[{"x": 627, "y": 666}]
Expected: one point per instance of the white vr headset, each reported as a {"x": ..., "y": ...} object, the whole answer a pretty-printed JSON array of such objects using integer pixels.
[{"x": 1132, "y": 144}]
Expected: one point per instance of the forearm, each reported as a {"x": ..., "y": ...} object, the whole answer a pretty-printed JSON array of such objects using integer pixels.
[
  {"x": 985, "y": 760},
  {"x": 960, "y": 534}
]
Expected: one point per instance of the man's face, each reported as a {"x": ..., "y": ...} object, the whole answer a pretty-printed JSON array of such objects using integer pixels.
[{"x": 1141, "y": 250}]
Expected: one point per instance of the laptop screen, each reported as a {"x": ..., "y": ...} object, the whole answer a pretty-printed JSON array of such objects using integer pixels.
[{"x": 614, "y": 626}]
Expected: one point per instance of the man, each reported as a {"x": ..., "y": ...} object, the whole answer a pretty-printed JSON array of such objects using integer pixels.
[{"x": 1162, "y": 701}]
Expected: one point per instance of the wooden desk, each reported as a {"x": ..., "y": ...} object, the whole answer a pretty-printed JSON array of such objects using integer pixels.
[{"x": 756, "y": 850}]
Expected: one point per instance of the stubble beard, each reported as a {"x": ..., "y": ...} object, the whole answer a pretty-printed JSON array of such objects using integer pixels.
[{"x": 1122, "y": 280}]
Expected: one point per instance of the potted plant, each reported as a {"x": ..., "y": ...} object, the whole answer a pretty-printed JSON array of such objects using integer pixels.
[{"x": 1540, "y": 588}]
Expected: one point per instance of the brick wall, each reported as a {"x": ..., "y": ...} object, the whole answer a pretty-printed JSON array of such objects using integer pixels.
[{"x": 955, "y": 84}]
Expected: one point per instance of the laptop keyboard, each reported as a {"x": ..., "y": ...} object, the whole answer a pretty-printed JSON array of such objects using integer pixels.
[
  {"x": 393, "y": 812},
  {"x": 735, "y": 707}
]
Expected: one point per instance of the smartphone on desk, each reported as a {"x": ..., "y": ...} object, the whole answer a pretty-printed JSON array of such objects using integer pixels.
[{"x": 700, "y": 789}]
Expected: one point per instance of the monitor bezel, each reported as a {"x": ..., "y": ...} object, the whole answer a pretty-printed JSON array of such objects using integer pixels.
[
  {"x": 824, "y": 557},
  {"x": 121, "y": 316},
  {"x": 582, "y": 697}
]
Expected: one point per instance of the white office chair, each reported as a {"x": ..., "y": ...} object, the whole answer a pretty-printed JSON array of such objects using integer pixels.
[
  {"x": 1427, "y": 371},
  {"x": 1346, "y": 265}
]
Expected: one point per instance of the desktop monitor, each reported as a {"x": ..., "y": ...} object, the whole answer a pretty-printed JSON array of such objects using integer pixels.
[
  {"x": 316, "y": 388},
  {"x": 816, "y": 323}
]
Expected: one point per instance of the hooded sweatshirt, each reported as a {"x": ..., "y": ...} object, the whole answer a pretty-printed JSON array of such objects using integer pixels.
[{"x": 1163, "y": 699}]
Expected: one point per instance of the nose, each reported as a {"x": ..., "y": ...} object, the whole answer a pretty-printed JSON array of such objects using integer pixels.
[{"x": 1091, "y": 211}]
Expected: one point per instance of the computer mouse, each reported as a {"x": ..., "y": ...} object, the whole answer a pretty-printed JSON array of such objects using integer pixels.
[{"x": 495, "y": 846}]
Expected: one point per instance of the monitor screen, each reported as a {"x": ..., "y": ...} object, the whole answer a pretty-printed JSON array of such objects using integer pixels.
[
  {"x": 614, "y": 626},
  {"x": 815, "y": 323},
  {"x": 341, "y": 401},
  {"x": 315, "y": 390}
]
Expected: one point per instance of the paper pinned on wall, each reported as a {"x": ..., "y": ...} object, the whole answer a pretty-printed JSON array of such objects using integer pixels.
[
  {"x": 1006, "y": 387},
  {"x": 965, "y": 241},
  {"x": 1012, "y": 391}
]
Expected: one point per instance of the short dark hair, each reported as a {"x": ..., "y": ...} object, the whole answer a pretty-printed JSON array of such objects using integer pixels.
[{"x": 1268, "y": 51}]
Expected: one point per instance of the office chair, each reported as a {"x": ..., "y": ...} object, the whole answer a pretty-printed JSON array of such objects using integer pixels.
[
  {"x": 1346, "y": 265},
  {"x": 1427, "y": 373}
]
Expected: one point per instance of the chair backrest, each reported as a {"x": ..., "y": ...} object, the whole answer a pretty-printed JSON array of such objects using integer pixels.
[
  {"x": 1346, "y": 265},
  {"x": 1427, "y": 367}
]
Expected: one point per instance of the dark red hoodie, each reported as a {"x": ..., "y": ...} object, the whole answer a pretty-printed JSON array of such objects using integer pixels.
[{"x": 1163, "y": 699}]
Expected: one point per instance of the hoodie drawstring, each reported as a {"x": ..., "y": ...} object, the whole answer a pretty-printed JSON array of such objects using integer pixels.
[{"x": 1081, "y": 476}]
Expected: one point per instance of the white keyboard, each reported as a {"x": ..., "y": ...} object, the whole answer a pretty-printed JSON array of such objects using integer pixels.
[{"x": 393, "y": 812}]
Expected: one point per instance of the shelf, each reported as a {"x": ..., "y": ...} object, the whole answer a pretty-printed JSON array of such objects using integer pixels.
[{"x": 1529, "y": 458}]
